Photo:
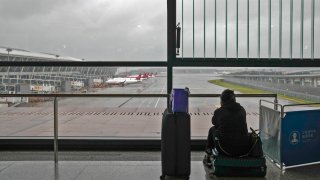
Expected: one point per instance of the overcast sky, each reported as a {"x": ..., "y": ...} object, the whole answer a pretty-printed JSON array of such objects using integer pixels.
[
  {"x": 118, "y": 30},
  {"x": 90, "y": 29}
]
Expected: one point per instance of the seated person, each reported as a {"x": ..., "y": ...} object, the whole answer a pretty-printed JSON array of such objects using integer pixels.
[{"x": 229, "y": 126}]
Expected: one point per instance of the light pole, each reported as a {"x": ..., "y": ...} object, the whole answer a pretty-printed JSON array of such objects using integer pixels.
[
  {"x": 8, "y": 50},
  {"x": 82, "y": 71},
  {"x": 57, "y": 56}
]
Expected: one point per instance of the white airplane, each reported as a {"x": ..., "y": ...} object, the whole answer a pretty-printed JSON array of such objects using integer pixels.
[
  {"x": 131, "y": 80},
  {"x": 123, "y": 81},
  {"x": 116, "y": 81}
]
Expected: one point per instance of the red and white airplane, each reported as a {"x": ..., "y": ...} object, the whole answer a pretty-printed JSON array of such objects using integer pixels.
[
  {"x": 143, "y": 76},
  {"x": 135, "y": 76},
  {"x": 140, "y": 76},
  {"x": 151, "y": 75}
]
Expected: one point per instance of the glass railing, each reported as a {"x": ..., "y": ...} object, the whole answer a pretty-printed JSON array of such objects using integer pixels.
[
  {"x": 269, "y": 29},
  {"x": 108, "y": 115},
  {"x": 87, "y": 117}
]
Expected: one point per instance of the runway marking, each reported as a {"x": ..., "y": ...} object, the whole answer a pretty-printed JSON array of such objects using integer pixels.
[
  {"x": 112, "y": 113},
  {"x": 155, "y": 106}
]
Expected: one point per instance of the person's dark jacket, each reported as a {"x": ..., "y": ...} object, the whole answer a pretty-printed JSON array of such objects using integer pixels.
[{"x": 231, "y": 128}]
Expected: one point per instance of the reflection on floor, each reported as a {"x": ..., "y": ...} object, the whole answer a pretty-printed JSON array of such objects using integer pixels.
[{"x": 120, "y": 166}]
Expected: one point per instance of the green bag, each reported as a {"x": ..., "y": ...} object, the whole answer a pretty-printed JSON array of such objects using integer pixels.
[
  {"x": 251, "y": 164},
  {"x": 246, "y": 166}
]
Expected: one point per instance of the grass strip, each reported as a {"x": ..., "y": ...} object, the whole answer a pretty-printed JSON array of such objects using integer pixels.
[{"x": 248, "y": 90}]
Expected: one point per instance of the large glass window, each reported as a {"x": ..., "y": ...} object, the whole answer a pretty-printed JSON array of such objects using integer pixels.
[
  {"x": 104, "y": 30},
  {"x": 97, "y": 30},
  {"x": 138, "y": 116},
  {"x": 104, "y": 117},
  {"x": 292, "y": 85}
]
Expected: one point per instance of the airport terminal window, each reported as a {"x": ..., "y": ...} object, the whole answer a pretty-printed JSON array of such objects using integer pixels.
[
  {"x": 140, "y": 117},
  {"x": 292, "y": 85},
  {"x": 304, "y": 81},
  {"x": 104, "y": 117},
  {"x": 130, "y": 34}
]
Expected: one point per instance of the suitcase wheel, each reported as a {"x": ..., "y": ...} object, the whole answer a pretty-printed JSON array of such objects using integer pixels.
[{"x": 162, "y": 177}]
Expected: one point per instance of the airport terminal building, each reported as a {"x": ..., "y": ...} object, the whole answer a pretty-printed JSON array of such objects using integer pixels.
[{"x": 48, "y": 79}]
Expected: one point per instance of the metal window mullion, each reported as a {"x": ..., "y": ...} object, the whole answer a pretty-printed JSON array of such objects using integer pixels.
[
  {"x": 55, "y": 127},
  {"x": 182, "y": 32},
  {"x": 248, "y": 31},
  {"x": 171, "y": 44},
  {"x": 280, "y": 136},
  {"x": 280, "y": 29},
  {"x": 193, "y": 29},
  {"x": 291, "y": 30},
  {"x": 312, "y": 28},
  {"x": 226, "y": 29},
  {"x": 237, "y": 30},
  {"x": 204, "y": 28},
  {"x": 215, "y": 28},
  {"x": 301, "y": 29},
  {"x": 258, "y": 49},
  {"x": 269, "y": 29}
]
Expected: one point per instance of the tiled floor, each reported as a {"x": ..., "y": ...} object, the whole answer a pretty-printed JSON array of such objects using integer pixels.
[{"x": 120, "y": 168}]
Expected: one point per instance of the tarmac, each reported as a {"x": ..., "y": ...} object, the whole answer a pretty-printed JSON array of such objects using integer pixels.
[{"x": 119, "y": 117}]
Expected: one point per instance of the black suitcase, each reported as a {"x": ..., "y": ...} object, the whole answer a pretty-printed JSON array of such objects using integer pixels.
[{"x": 175, "y": 145}]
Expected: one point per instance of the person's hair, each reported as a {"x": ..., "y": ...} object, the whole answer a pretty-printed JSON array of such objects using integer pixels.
[{"x": 227, "y": 96}]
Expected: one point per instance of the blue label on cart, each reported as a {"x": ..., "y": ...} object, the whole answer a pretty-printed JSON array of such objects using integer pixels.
[{"x": 300, "y": 137}]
